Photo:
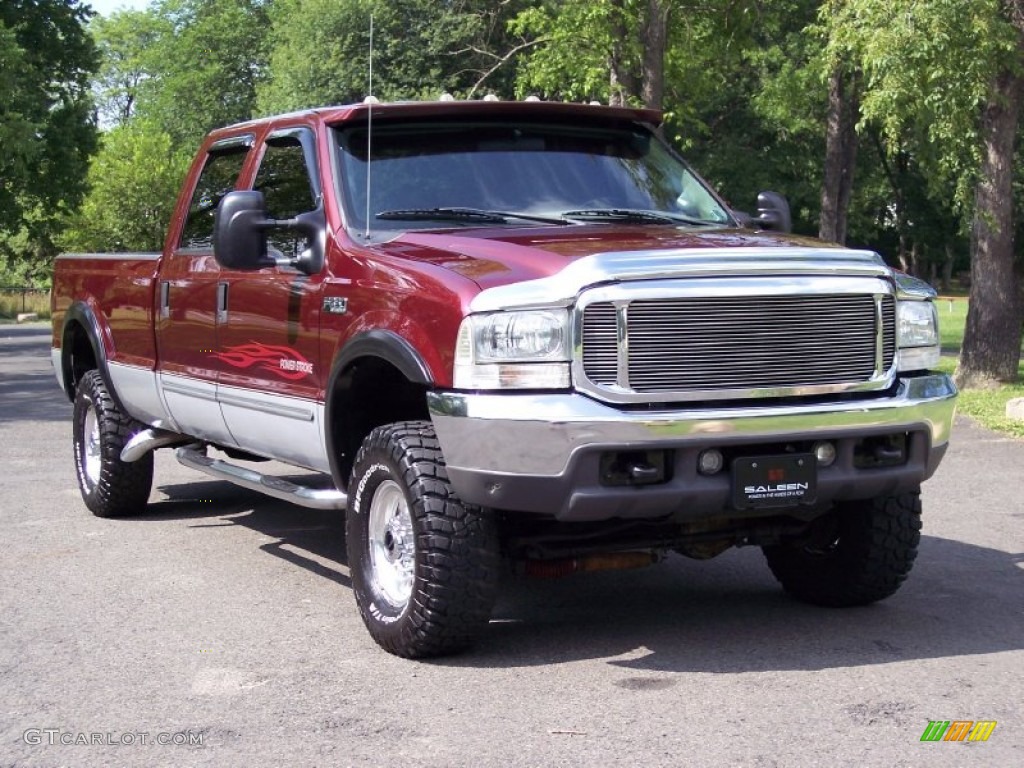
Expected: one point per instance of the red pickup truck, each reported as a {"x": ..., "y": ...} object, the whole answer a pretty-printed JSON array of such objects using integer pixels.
[{"x": 499, "y": 334}]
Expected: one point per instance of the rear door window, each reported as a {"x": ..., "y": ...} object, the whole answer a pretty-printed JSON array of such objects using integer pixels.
[{"x": 220, "y": 176}]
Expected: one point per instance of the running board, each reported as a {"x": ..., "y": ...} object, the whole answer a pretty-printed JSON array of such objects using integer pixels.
[{"x": 279, "y": 488}]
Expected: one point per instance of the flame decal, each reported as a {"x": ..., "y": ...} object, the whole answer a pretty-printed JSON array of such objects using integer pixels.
[{"x": 267, "y": 357}]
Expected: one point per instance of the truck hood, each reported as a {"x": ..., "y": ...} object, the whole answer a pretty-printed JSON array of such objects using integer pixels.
[{"x": 544, "y": 265}]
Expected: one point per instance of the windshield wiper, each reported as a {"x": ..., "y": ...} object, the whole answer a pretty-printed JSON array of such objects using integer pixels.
[
  {"x": 466, "y": 214},
  {"x": 636, "y": 215}
]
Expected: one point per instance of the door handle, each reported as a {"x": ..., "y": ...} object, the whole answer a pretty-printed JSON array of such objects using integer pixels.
[
  {"x": 222, "y": 303},
  {"x": 165, "y": 299}
]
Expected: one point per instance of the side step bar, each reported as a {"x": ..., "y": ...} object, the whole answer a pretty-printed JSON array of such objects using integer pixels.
[{"x": 304, "y": 496}]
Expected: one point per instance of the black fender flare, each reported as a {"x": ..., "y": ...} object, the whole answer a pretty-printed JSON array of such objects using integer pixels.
[
  {"x": 82, "y": 314},
  {"x": 384, "y": 345}
]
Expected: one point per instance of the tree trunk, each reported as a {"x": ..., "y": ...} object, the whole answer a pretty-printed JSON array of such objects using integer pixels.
[
  {"x": 655, "y": 39},
  {"x": 904, "y": 255},
  {"x": 623, "y": 79},
  {"x": 840, "y": 154},
  {"x": 947, "y": 267},
  {"x": 991, "y": 348}
]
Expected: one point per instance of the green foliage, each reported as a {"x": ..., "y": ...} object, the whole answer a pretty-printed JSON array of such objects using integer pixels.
[
  {"x": 338, "y": 32},
  {"x": 47, "y": 131},
  {"x": 744, "y": 99},
  {"x": 927, "y": 68},
  {"x": 25, "y": 260},
  {"x": 134, "y": 184},
  {"x": 203, "y": 64},
  {"x": 576, "y": 44},
  {"x": 421, "y": 49},
  {"x": 126, "y": 41}
]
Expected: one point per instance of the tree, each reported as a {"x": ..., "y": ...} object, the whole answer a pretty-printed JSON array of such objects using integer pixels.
[
  {"x": 611, "y": 50},
  {"x": 840, "y": 143},
  {"x": 739, "y": 83},
  {"x": 47, "y": 130},
  {"x": 134, "y": 183},
  {"x": 125, "y": 40},
  {"x": 421, "y": 49},
  {"x": 204, "y": 63},
  {"x": 950, "y": 72}
]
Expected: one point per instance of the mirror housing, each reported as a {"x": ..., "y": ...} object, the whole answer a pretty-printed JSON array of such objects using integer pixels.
[
  {"x": 773, "y": 212},
  {"x": 240, "y": 234},
  {"x": 239, "y": 231}
]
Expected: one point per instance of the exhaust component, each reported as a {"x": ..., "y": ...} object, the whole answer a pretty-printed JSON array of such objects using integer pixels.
[{"x": 603, "y": 561}]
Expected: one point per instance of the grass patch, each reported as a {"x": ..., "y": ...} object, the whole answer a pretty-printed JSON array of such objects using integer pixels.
[
  {"x": 985, "y": 406},
  {"x": 13, "y": 303},
  {"x": 952, "y": 318}
]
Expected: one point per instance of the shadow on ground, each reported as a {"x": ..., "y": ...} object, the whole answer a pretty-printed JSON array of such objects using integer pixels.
[
  {"x": 32, "y": 396},
  {"x": 28, "y": 387},
  {"x": 319, "y": 533},
  {"x": 725, "y": 615}
]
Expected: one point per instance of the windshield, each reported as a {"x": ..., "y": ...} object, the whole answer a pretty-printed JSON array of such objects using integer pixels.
[{"x": 448, "y": 174}]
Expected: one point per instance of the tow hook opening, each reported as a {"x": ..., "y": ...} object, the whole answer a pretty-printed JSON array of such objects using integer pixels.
[
  {"x": 881, "y": 451},
  {"x": 620, "y": 468}
]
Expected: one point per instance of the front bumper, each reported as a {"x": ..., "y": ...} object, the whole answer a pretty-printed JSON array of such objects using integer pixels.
[{"x": 541, "y": 452}]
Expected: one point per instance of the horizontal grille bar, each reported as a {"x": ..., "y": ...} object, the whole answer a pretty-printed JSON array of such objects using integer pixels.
[
  {"x": 600, "y": 343},
  {"x": 738, "y": 342}
]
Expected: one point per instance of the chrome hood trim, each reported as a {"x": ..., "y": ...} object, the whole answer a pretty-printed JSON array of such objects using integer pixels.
[{"x": 562, "y": 288}]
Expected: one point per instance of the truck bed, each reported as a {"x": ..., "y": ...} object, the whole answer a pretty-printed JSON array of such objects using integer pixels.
[{"x": 119, "y": 289}]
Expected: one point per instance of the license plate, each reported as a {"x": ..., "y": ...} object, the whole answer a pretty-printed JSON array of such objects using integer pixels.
[{"x": 774, "y": 481}]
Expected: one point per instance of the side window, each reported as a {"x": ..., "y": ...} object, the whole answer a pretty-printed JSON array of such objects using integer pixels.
[
  {"x": 219, "y": 176},
  {"x": 283, "y": 178}
]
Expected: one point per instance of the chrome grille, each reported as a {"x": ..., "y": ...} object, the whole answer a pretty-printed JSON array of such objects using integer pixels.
[
  {"x": 889, "y": 332},
  {"x": 600, "y": 343},
  {"x": 710, "y": 344}
]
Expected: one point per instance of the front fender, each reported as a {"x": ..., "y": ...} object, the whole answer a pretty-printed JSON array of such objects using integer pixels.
[
  {"x": 388, "y": 346},
  {"x": 379, "y": 343}
]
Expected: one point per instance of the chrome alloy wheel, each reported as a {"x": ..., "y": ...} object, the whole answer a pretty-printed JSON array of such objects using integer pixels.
[
  {"x": 391, "y": 543},
  {"x": 92, "y": 448}
]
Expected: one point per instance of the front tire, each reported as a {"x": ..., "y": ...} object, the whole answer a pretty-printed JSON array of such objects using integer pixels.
[
  {"x": 424, "y": 565},
  {"x": 858, "y": 554},
  {"x": 110, "y": 487}
]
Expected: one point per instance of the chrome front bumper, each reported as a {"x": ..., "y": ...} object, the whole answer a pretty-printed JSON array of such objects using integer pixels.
[{"x": 540, "y": 452}]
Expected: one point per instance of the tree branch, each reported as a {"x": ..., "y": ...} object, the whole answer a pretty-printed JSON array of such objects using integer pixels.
[{"x": 502, "y": 60}]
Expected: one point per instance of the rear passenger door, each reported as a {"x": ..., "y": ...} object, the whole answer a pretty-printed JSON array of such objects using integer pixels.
[
  {"x": 269, "y": 363},
  {"x": 189, "y": 291}
]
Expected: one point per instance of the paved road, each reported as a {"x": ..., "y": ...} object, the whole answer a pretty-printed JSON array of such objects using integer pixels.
[{"x": 228, "y": 617}]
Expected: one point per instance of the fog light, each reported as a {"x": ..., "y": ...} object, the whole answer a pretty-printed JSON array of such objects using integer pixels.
[
  {"x": 710, "y": 461},
  {"x": 825, "y": 453}
]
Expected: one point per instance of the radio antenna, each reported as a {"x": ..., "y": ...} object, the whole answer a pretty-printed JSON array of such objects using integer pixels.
[{"x": 369, "y": 132}]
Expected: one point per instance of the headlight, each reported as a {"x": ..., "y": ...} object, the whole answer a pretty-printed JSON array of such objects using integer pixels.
[
  {"x": 520, "y": 350},
  {"x": 917, "y": 335},
  {"x": 520, "y": 336}
]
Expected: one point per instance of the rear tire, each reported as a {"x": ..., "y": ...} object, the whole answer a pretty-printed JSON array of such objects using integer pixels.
[
  {"x": 424, "y": 565},
  {"x": 110, "y": 487},
  {"x": 858, "y": 554}
]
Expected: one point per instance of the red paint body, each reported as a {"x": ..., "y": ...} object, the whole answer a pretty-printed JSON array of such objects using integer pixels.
[{"x": 418, "y": 285}]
